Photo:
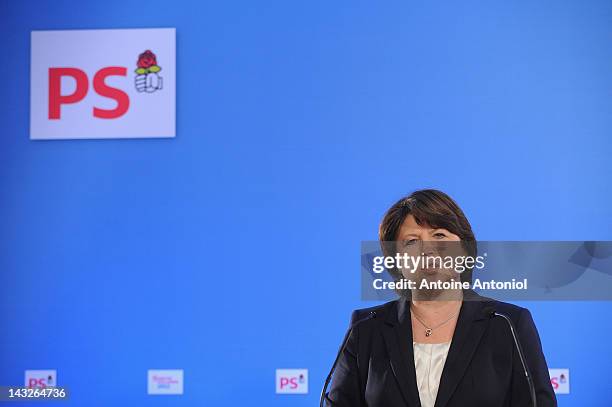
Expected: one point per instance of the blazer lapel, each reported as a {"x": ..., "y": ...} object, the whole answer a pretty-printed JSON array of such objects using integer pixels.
[
  {"x": 397, "y": 334},
  {"x": 471, "y": 324}
]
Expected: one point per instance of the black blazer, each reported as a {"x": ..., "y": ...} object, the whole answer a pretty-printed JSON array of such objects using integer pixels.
[{"x": 482, "y": 368}]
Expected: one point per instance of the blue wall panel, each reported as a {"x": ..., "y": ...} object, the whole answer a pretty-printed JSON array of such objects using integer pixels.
[{"x": 233, "y": 249}]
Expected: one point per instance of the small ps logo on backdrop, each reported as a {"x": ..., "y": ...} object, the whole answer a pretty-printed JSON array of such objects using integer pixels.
[
  {"x": 291, "y": 381},
  {"x": 40, "y": 378},
  {"x": 89, "y": 84},
  {"x": 559, "y": 379}
]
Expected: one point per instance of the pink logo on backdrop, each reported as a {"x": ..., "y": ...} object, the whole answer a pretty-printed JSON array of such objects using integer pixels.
[
  {"x": 40, "y": 378},
  {"x": 164, "y": 381},
  {"x": 292, "y": 381},
  {"x": 147, "y": 74},
  {"x": 41, "y": 382},
  {"x": 147, "y": 80}
]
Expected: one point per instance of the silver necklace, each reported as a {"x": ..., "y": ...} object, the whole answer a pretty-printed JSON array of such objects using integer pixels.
[{"x": 428, "y": 329}]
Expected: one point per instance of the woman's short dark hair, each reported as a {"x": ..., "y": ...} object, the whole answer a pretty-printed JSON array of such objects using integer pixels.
[{"x": 432, "y": 208}]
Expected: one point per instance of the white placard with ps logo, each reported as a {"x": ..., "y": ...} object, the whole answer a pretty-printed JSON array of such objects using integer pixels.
[
  {"x": 291, "y": 381},
  {"x": 559, "y": 379},
  {"x": 40, "y": 379},
  {"x": 103, "y": 84},
  {"x": 165, "y": 381}
]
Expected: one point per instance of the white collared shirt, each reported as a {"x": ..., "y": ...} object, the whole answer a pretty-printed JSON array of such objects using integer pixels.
[{"x": 429, "y": 359}]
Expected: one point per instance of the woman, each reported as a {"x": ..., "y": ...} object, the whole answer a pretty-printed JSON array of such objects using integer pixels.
[{"x": 432, "y": 348}]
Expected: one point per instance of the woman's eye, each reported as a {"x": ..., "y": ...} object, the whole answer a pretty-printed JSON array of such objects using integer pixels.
[
  {"x": 410, "y": 242},
  {"x": 439, "y": 234}
]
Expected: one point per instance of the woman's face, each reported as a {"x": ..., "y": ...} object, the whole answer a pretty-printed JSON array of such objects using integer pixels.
[{"x": 422, "y": 240}]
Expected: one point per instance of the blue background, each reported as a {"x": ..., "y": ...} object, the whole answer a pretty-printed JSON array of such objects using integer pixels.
[{"x": 233, "y": 249}]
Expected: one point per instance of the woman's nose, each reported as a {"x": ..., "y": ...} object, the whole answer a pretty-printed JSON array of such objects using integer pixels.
[{"x": 429, "y": 248}]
